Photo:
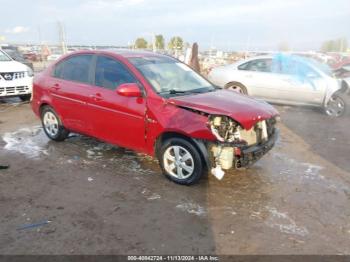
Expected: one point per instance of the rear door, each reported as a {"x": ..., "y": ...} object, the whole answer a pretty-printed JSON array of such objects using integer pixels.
[
  {"x": 116, "y": 119},
  {"x": 69, "y": 88},
  {"x": 260, "y": 79}
]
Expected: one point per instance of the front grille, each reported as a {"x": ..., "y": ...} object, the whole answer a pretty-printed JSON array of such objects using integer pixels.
[
  {"x": 10, "y": 90},
  {"x": 13, "y": 90},
  {"x": 12, "y": 75}
]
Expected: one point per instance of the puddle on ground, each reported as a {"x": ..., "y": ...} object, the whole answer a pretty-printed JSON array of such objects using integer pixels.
[
  {"x": 34, "y": 144},
  {"x": 282, "y": 222},
  {"x": 304, "y": 170},
  {"x": 31, "y": 142},
  {"x": 192, "y": 208}
]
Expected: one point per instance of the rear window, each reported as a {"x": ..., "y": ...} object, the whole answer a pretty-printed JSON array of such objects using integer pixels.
[{"x": 74, "y": 68}]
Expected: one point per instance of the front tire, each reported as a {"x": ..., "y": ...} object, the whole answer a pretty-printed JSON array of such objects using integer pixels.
[
  {"x": 337, "y": 105},
  {"x": 180, "y": 161},
  {"x": 52, "y": 124},
  {"x": 237, "y": 87}
]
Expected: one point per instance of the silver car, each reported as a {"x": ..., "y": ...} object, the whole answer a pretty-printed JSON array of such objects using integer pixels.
[{"x": 285, "y": 79}]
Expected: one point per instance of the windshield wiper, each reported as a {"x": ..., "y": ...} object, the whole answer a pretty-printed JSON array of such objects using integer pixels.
[{"x": 172, "y": 92}]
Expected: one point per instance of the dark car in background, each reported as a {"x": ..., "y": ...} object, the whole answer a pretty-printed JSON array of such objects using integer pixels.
[{"x": 17, "y": 56}]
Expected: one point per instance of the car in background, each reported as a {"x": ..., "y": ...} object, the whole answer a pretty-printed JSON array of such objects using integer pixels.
[
  {"x": 53, "y": 57},
  {"x": 344, "y": 63},
  {"x": 16, "y": 79},
  {"x": 342, "y": 69},
  {"x": 17, "y": 56},
  {"x": 157, "y": 105},
  {"x": 286, "y": 79},
  {"x": 32, "y": 56}
]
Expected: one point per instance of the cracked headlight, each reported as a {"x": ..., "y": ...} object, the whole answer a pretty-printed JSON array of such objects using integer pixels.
[{"x": 224, "y": 128}]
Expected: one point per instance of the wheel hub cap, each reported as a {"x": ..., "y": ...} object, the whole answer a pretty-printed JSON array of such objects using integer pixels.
[
  {"x": 335, "y": 106},
  {"x": 50, "y": 123},
  {"x": 178, "y": 162}
]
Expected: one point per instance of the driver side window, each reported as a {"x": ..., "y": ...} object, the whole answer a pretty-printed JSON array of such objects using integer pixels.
[{"x": 111, "y": 73}]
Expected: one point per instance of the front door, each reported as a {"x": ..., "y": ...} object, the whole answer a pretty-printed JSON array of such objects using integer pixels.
[
  {"x": 302, "y": 84},
  {"x": 116, "y": 119}
]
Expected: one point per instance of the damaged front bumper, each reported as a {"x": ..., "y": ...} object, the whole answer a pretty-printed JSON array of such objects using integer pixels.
[
  {"x": 225, "y": 155},
  {"x": 250, "y": 154}
]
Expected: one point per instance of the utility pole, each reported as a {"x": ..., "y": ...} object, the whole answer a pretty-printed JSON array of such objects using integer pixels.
[
  {"x": 154, "y": 47},
  {"x": 39, "y": 34},
  {"x": 62, "y": 37}
]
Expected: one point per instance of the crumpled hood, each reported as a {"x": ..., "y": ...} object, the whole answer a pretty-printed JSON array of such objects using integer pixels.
[{"x": 245, "y": 110}]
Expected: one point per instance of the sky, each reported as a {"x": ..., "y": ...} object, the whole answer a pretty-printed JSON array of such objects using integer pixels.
[{"x": 223, "y": 24}]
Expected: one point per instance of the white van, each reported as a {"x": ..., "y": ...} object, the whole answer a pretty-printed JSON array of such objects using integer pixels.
[{"x": 16, "y": 79}]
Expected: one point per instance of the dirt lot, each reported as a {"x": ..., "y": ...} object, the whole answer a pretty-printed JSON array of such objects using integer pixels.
[{"x": 102, "y": 199}]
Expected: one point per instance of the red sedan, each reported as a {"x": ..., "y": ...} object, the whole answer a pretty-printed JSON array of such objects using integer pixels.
[{"x": 157, "y": 105}]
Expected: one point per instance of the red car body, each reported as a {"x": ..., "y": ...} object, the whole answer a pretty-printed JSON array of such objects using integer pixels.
[{"x": 140, "y": 122}]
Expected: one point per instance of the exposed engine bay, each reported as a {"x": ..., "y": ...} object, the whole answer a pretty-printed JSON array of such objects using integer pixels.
[{"x": 233, "y": 141}]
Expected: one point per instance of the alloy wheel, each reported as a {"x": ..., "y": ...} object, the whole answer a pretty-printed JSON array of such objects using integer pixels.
[
  {"x": 50, "y": 124},
  {"x": 236, "y": 88},
  {"x": 335, "y": 106},
  {"x": 178, "y": 162}
]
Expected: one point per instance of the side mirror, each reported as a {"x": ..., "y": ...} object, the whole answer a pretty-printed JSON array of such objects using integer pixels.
[{"x": 129, "y": 90}]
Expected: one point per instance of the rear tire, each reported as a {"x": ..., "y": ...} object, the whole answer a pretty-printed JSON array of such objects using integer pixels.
[
  {"x": 180, "y": 161},
  {"x": 238, "y": 87},
  {"x": 25, "y": 97},
  {"x": 338, "y": 105},
  {"x": 52, "y": 124}
]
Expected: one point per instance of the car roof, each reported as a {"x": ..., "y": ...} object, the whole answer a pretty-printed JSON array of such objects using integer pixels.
[
  {"x": 127, "y": 53},
  {"x": 243, "y": 61},
  {"x": 258, "y": 57}
]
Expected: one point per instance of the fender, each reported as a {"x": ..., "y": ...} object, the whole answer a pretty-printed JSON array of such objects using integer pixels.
[
  {"x": 200, "y": 144},
  {"x": 204, "y": 152},
  {"x": 341, "y": 87}
]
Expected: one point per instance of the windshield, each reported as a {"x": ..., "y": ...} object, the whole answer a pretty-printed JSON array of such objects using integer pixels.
[
  {"x": 170, "y": 77},
  {"x": 4, "y": 57},
  {"x": 320, "y": 66},
  {"x": 15, "y": 55}
]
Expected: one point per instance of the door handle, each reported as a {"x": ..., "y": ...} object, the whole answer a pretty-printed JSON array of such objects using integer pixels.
[
  {"x": 96, "y": 97},
  {"x": 56, "y": 87}
]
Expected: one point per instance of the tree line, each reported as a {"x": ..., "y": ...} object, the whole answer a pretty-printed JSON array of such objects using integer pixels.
[
  {"x": 335, "y": 45},
  {"x": 175, "y": 43}
]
